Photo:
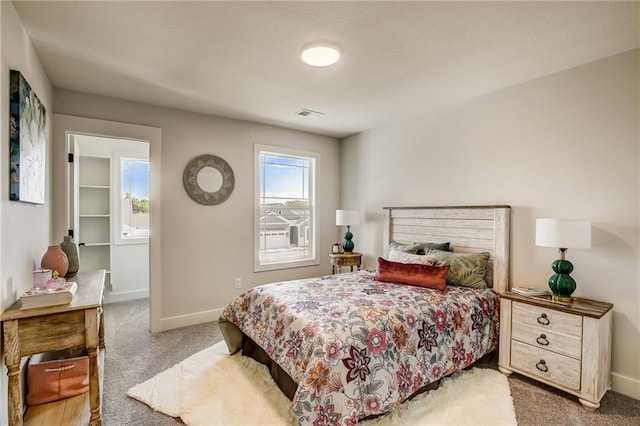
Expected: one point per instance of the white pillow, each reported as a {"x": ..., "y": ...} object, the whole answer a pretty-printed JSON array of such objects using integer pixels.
[{"x": 403, "y": 257}]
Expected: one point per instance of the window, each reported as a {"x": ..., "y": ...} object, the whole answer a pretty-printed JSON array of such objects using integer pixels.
[
  {"x": 285, "y": 213},
  {"x": 133, "y": 201}
]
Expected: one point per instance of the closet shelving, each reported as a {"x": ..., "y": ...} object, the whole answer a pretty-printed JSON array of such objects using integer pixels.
[{"x": 94, "y": 213}]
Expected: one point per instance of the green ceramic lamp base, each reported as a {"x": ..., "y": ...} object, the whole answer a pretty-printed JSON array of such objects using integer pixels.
[
  {"x": 348, "y": 245},
  {"x": 561, "y": 284}
]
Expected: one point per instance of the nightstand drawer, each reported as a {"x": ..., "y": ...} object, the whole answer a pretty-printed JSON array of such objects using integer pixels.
[
  {"x": 547, "y": 339},
  {"x": 547, "y": 319},
  {"x": 349, "y": 261},
  {"x": 339, "y": 260},
  {"x": 549, "y": 366}
]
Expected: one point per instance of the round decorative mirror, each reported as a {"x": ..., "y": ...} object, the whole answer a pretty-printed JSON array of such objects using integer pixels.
[{"x": 208, "y": 179}]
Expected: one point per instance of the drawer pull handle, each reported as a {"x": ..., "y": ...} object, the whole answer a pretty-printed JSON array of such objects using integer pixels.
[
  {"x": 542, "y": 319},
  {"x": 542, "y": 366},
  {"x": 542, "y": 340}
]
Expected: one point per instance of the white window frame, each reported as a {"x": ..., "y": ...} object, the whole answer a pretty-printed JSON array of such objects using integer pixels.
[
  {"x": 313, "y": 196},
  {"x": 116, "y": 196}
]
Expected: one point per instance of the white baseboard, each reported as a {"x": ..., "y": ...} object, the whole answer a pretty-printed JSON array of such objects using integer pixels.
[
  {"x": 125, "y": 296},
  {"x": 189, "y": 319},
  {"x": 625, "y": 385}
]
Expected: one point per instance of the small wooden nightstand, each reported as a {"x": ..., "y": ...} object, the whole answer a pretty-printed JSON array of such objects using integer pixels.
[
  {"x": 345, "y": 259},
  {"x": 565, "y": 345}
]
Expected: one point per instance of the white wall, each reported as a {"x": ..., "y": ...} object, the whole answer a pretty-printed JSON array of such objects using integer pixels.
[
  {"x": 24, "y": 228},
  {"x": 565, "y": 146},
  {"x": 204, "y": 248}
]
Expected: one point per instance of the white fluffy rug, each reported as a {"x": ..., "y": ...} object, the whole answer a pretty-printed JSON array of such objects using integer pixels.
[{"x": 213, "y": 388}]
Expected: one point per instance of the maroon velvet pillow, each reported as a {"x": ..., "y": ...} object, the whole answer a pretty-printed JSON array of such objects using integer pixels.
[{"x": 428, "y": 276}]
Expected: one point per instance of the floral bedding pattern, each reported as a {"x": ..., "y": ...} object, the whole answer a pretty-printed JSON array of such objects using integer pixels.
[{"x": 358, "y": 347}]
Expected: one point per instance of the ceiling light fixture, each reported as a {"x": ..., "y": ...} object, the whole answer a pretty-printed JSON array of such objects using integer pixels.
[{"x": 320, "y": 55}]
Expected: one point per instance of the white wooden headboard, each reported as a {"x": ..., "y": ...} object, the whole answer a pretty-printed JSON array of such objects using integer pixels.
[{"x": 468, "y": 229}]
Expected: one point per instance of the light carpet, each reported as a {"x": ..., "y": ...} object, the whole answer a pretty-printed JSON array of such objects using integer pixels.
[{"x": 213, "y": 388}]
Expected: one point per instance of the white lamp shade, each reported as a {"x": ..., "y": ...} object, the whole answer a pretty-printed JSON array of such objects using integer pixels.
[
  {"x": 563, "y": 233},
  {"x": 347, "y": 217}
]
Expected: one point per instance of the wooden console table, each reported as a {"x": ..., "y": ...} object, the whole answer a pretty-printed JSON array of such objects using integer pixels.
[{"x": 31, "y": 331}]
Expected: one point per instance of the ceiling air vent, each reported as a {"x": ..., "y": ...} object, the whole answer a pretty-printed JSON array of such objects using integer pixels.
[{"x": 307, "y": 112}]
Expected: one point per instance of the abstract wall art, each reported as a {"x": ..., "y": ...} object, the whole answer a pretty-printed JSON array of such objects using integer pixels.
[{"x": 27, "y": 142}]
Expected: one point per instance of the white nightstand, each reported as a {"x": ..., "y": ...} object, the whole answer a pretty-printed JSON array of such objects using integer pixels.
[{"x": 565, "y": 345}]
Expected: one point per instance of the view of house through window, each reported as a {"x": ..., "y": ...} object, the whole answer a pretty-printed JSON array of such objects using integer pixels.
[
  {"x": 134, "y": 217},
  {"x": 286, "y": 215}
]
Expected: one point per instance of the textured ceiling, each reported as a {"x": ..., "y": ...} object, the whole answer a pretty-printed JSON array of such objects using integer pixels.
[{"x": 240, "y": 59}]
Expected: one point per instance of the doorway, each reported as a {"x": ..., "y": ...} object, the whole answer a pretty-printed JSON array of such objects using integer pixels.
[
  {"x": 63, "y": 195},
  {"x": 110, "y": 214}
]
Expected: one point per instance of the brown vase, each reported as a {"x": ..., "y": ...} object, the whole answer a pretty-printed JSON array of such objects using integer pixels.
[
  {"x": 56, "y": 260},
  {"x": 69, "y": 248}
]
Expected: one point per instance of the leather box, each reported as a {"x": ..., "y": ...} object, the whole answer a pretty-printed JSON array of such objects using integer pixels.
[{"x": 53, "y": 379}]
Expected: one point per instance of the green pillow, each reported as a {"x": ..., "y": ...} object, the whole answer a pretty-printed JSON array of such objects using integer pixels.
[
  {"x": 423, "y": 247},
  {"x": 405, "y": 247},
  {"x": 466, "y": 269}
]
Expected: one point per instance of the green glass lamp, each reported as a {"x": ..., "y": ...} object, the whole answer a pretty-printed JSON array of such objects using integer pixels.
[
  {"x": 347, "y": 218},
  {"x": 564, "y": 234}
]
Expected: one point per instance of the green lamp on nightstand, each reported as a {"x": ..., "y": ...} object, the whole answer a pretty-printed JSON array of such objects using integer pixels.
[
  {"x": 347, "y": 218},
  {"x": 563, "y": 234}
]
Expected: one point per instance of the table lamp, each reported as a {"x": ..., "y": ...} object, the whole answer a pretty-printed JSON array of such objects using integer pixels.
[
  {"x": 347, "y": 218},
  {"x": 563, "y": 234}
]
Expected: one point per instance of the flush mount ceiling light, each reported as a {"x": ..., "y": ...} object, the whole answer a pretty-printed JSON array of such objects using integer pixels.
[{"x": 320, "y": 55}]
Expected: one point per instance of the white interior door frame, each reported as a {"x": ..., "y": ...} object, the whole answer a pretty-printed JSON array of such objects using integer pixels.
[
  {"x": 127, "y": 259},
  {"x": 65, "y": 125}
]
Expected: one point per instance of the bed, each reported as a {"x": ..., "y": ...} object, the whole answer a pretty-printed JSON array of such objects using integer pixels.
[{"x": 352, "y": 346}]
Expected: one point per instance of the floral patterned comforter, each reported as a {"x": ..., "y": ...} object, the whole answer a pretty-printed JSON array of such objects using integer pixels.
[{"x": 358, "y": 347}]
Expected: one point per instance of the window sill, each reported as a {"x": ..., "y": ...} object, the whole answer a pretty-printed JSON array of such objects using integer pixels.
[{"x": 285, "y": 265}]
